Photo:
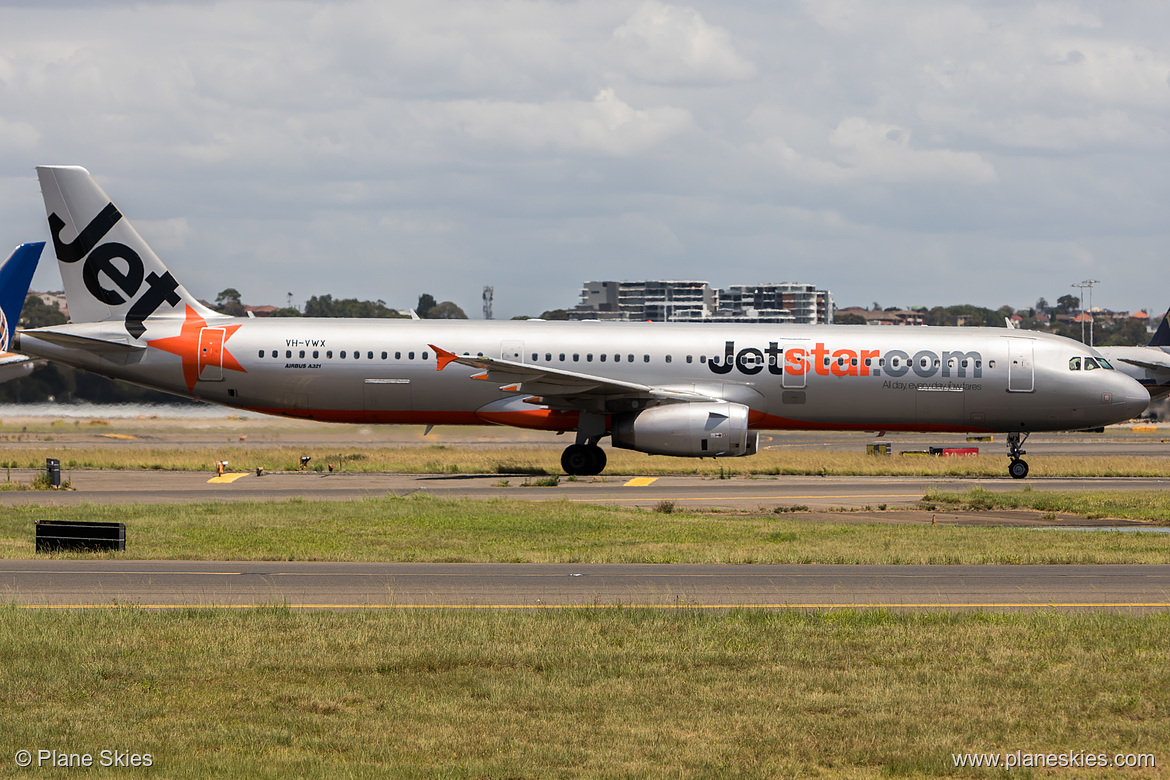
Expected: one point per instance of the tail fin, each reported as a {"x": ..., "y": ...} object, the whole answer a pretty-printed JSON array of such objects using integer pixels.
[
  {"x": 1162, "y": 335},
  {"x": 15, "y": 276},
  {"x": 109, "y": 272}
]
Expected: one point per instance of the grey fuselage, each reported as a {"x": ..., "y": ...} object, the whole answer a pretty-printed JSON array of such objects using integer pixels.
[{"x": 789, "y": 376}]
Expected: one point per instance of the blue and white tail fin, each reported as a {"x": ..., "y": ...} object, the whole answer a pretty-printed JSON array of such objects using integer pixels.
[
  {"x": 15, "y": 277},
  {"x": 109, "y": 272},
  {"x": 1162, "y": 335}
]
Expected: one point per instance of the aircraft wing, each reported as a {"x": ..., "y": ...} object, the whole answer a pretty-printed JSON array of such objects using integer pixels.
[
  {"x": 559, "y": 388},
  {"x": 1163, "y": 365}
]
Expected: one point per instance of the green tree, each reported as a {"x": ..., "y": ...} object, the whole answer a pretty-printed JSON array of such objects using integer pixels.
[
  {"x": 445, "y": 311},
  {"x": 228, "y": 302},
  {"x": 38, "y": 314},
  {"x": 426, "y": 302},
  {"x": 555, "y": 314},
  {"x": 1067, "y": 304}
]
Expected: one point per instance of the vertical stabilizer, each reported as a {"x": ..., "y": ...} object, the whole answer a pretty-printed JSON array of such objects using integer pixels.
[
  {"x": 109, "y": 271},
  {"x": 15, "y": 276},
  {"x": 1162, "y": 335}
]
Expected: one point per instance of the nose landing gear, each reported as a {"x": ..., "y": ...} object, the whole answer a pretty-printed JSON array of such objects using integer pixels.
[{"x": 1018, "y": 468}]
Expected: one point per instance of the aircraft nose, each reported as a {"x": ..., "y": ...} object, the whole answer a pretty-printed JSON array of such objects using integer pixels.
[{"x": 1130, "y": 398}]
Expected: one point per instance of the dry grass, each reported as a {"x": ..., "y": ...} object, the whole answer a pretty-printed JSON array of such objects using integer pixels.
[
  {"x": 545, "y": 460},
  {"x": 577, "y": 693}
]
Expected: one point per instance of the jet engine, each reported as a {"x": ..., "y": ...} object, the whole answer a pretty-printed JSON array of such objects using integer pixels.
[{"x": 692, "y": 430}]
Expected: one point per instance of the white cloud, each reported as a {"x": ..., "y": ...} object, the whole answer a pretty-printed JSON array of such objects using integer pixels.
[
  {"x": 605, "y": 124},
  {"x": 664, "y": 43},
  {"x": 866, "y": 151}
]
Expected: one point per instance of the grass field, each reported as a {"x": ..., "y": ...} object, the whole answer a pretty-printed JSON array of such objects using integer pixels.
[
  {"x": 421, "y": 528},
  {"x": 590, "y": 692},
  {"x": 1147, "y": 505}
]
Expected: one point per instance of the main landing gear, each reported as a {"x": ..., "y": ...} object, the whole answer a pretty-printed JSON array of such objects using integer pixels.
[
  {"x": 583, "y": 460},
  {"x": 1018, "y": 468}
]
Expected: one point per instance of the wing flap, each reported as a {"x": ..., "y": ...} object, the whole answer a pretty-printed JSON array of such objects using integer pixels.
[{"x": 557, "y": 383}]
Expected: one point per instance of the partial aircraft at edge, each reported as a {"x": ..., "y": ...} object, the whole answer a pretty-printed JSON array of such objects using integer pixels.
[
  {"x": 15, "y": 277},
  {"x": 690, "y": 390},
  {"x": 1149, "y": 365}
]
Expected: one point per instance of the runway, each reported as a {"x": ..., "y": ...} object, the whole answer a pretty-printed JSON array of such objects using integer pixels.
[
  {"x": 149, "y": 487},
  {"x": 344, "y": 586}
]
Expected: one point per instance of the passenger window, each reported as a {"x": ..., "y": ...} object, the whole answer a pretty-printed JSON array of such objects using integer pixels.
[
  {"x": 383, "y": 355},
  {"x": 629, "y": 358},
  {"x": 329, "y": 353},
  {"x": 409, "y": 356},
  {"x": 1090, "y": 364},
  {"x": 668, "y": 358},
  {"x": 548, "y": 356},
  {"x": 689, "y": 359},
  {"x": 343, "y": 354},
  {"x": 601, "y": 357},
  {"x": 357, "y": 354},
  {"x": 302, "y": 353},
  {"x": 398, "y": 355},
  {"x": 261, "y": 353},
  {"x": 702, "y": 358},
  {"x": 576, "y": 357},
  {"x": 370, "y": 355},
  {"x": 1074, "y": 364},
  {"x": 316, "y": 354},
  {"x": 534, "y": 357},
  {"x": 562, "y": 358},
  {"x": 589, "y": 358},
  {"x": 990, "y": 363},
  {"x": 645, "y": 358},
  {"x": 288, "y": 353},
  {"x": 426, "y": 355}
]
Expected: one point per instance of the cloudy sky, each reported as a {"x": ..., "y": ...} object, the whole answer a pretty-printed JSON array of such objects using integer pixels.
[{"x": 908, "y": 153}]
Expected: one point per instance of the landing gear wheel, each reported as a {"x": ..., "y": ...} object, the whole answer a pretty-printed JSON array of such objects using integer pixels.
[
  {"x": 583, "y": 460},
  {"x": 1018, "y": 468}
]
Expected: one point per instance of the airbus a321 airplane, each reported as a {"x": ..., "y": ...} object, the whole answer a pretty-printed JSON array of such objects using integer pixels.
[{"x": 690, "y": 390}]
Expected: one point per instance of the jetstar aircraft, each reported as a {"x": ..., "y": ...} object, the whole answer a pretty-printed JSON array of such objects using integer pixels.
[{"x": 689, "y": 390}]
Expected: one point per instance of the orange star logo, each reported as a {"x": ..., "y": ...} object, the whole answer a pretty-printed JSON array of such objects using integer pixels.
[{"x": 200, "y": 347}]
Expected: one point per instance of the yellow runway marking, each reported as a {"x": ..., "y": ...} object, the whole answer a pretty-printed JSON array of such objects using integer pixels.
[
  {"x": 226, "y": 478},
  {"x": 641, "y": 482},
  {"x": 117, "y": 436}
]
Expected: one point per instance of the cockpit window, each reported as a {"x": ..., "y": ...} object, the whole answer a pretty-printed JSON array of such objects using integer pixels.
[
  {"x": 1105, "y": 363},
  {"x": 1074, "y": 364},
  {"x": 1090, "y": 364}
]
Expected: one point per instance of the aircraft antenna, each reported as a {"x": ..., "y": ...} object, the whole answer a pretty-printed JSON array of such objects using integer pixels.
[{"x": 488, "y": 294}]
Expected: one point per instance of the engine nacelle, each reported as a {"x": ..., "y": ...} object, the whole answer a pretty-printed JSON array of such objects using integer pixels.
[{"x": 689, "y": 430}]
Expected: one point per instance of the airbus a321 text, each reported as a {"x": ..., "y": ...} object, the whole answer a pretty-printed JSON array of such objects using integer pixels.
[{"x": 690, "y": 390}]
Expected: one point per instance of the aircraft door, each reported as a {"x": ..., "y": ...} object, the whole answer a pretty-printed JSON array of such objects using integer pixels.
[
  {"x": 512, "y": 350},
  {"x": 1021, "y": 370},
  {"x": 791, "y": 380},
  {"x": 211, "y": 354}
]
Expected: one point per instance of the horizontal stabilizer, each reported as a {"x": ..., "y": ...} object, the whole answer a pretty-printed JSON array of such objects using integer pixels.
[{"x": 87, "y": 343}]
